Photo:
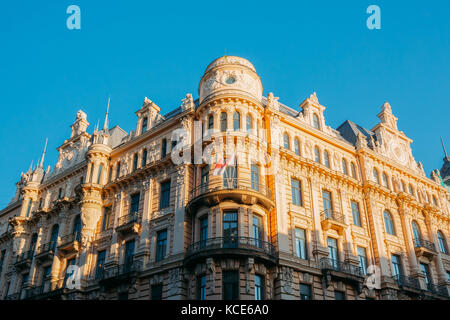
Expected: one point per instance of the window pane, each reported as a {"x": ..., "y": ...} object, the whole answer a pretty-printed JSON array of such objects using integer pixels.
[
  {"x": 305, "y": 292},
  {"x": 230, "y": 285},
  {"x": 259, "y": 287},
  {"x": 296, "y": 192},
  {"x": 201, "y": 288},
  {"x": 165, "y": 194},
  {"x": 161, "y": 244},
  {"x": 355, "y": 213},
  {"x": 362, "y": 256},
  {"x": 300, "y": 243}
]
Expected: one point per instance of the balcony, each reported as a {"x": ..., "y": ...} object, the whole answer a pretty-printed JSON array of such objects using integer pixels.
[
  {"x": 424, "y": 248},
  {"x": 116, "y": 275},
  {"x": 408, "y": 283},
  {"x": 333, "y": 220},
  {"x": 231, "y": 247},
  {"x": 342, "y": 271},
  {"x": 44, "y": 292},
  {"x": 46, "y": 252},
  {"x": 14, "y": 296},
  {"x": 23, "y": 260},
  {"x": 442, "y": 290},
  {"x": 236, "y": 190},
  {"x": 129, "y": 223},
  {"x": 70, "y": 244}
]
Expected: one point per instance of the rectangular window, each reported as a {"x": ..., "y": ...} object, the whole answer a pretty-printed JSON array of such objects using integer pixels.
[
  {"x": 156, "y": 291},
  {"x": 300, "y": 243},
  {"x": 448, "y": 276},
  {"x": 106, "y": 218},
  {"x": 355, "y": 213},
  {"x": 134, "y": 204},
  {"x": 118, "y": 171},
  {"x": 230, "y": 177},
  {"x": 230, "y": 285},
  {"x": 165, "y": 194},
  {"x": 144, "y": 125},
  {"x": 99, "y": 175},
  {"x": 327, "y": 204},
  {"x": 255, "y": 176},
  {"x": 2, "y": 259},
  {"x": 257, "y": 232},
  {"x": 396, "y": 266},
  {"x": 362, "y": 257},
  {"x": 30, "y": 202},
  {"x": 47, "y": 273},
  {"x": 204, "y": 178},
  {"x": 333, "y": 252},
  {"x": 144, "y": 158},
  {"x": 201, "y": 287},
  {"x": 161, "y": 244},
  {"x": 426, "y": 272},
  {"x": 101, "y": 255},
  {"x": 259, "y": 287},
  {"x": 339, "y": 295},
  {"x": 129, "y": 255},
  {"x": 296, "y": 192},
  {"x": 203, "y": 231},
  {"x": 305, "y": 291},
  {"x": 230, "y": 229}
]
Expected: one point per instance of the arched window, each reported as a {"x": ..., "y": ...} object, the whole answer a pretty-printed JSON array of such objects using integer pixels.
[
  {"x": 163, "y": 148},
  {"x": 416, "y": 233},
  {"x": 316, "y": 121},
  {"x": 144, "y": 125},
  {"x": 211, "y": 122},
  {"x": 236, "y": 121},
  {"x": 442, "y": 242},
  {"x": 297, "y": 146},
  {"x": 223, "y": 122},
  {"x": 385, "y": 180},
  {"x": 316, "y": 154},
  {"x": 144, "y": 157},
  {"x": 353, "y": 168},
  {"x": 344, "y": 167},
  {"x": 77, "y": 228},
  {"x": 249, "y": 123},
  {"x": 326, "y": 158},
  {"x": 376, "y": 177},
  {"x": 389, "y": 223},
  {"x": 286, "y": 142},
  {"x": 99, "y": 174}
]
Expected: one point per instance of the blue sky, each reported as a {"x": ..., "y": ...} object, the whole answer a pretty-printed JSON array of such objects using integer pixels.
[{"x": 160, "y": 49}]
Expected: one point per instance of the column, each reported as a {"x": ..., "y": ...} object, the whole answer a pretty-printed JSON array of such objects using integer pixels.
[{"x": 180, "y": 197}]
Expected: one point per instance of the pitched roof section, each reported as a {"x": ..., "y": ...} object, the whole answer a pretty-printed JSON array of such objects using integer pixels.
[{"x": 349, "y": 131}]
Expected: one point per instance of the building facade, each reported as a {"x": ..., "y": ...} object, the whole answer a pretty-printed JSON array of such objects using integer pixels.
[{"x": 230, "y": 196}]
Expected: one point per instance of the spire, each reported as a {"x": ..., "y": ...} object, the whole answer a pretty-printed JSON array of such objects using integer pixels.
[
  {"x": 43, "y": 154},
  {"x": 105, "y": 125},
  {"x": 31, "y": 167},
  {"x": 443, "y": 147}
]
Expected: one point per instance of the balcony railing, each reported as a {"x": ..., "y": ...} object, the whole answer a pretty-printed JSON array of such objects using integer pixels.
[
  {"x": 343, "y": 267},
  {"x": 122, "y": 270},
  {"x": 244, "y": 243},
  {"x": 333, "y": 216},
  {"x": 442, "y": 291},
  {"x": 49, "y": 247},
  {"x": 230, "y": 184},
  {"x": 14, "y": 296},
  {"x": 421, "y": 243},
  {"x": 407, "y": 282},
  {"x": 129, "y": 218},
  {"x": 24, "y": 256},
  {"x": 70, "y": 238}
]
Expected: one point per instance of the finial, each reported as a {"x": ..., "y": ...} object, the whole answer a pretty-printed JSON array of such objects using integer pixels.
[
  {"x": 443, "y": 147},
  {"x": 43, "y": 154},
  {"x": 105, "y": 125}
]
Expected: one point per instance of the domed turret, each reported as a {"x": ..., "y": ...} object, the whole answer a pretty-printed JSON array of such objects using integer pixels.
[{"x": 230, "y": 75}]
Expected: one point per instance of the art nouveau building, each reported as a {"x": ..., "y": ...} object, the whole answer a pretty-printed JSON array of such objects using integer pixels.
[{"x": 302, "y": 211}]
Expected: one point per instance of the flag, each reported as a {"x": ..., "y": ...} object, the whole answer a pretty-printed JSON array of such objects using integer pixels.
[{"x": 221, "y": 165}]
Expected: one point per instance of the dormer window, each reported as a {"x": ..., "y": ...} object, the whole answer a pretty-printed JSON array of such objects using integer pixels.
[
  {"x": 144, "y": 125},
  {"x": 316, "y": 121}
]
